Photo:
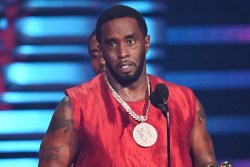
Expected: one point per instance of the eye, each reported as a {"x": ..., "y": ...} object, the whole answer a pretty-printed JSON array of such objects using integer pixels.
[
  {"x": 112, "y": 44},
  {"x": 95, "y": 56},
  {"x": 130, "y": 41}
]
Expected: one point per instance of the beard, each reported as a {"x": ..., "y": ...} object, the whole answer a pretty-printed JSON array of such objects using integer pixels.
[{"x": 127, "y": 80}]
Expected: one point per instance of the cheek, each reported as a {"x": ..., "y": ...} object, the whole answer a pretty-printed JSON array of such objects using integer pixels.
[
  {"x": 137, "y": 54},
  {"x": 109, "y": 57},
  {"x": 94, "y": 63},
  {"x": 109, "y": 62}
]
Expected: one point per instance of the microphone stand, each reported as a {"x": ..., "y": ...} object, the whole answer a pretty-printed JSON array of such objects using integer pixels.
[{"x": 164, "y": 109}]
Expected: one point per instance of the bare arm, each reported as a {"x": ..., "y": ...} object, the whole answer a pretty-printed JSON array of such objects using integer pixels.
[
  {"x": 59, "y": 146},
  {"x": 201, "y": 143}
]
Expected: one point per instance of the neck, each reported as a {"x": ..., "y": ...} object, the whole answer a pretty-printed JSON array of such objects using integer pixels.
[{"x": 134, "y": 92}]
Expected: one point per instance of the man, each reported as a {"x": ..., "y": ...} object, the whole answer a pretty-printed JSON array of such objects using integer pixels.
[
  {"x": 109, "y": 121},
  {"x": 96, "y": 58}
]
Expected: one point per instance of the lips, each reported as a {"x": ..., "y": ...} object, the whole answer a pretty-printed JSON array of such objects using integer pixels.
[{"x": 124, "y": 65}]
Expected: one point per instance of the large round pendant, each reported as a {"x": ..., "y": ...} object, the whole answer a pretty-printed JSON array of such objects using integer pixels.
[{"x": 144, "y": 134}]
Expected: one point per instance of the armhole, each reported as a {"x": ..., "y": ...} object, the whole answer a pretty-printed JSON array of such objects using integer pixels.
[
  {"x": 73, "y": 110},
  {"x": 194, "y": 99}
]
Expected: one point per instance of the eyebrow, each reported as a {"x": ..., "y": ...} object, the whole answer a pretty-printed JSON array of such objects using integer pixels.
[
  {"x": 133, "y": 35},
  {"x": 93, "y": 50},
  {"x": 109, "y": 40}
]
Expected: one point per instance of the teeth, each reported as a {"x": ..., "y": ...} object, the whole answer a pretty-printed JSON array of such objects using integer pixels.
[{"x": 125, "y": 66}]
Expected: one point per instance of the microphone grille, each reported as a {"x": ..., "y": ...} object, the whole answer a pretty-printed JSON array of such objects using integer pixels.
[
  {"x": 161, "y": 91},
  {"x": 154, "y": 100}
]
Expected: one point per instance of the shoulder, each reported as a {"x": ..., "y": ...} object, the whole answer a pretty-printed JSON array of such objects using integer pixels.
[
  {"x": 64, "y": 106},
  {"x": 154, "y": 80},
  {"x": 180, "y": 92},
  {"x": 94, "y": 84}
]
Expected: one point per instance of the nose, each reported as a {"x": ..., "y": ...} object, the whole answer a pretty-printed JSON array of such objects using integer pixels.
[
  {"x": 102, "y": 61},
  {"x": 124, "y": 51}
]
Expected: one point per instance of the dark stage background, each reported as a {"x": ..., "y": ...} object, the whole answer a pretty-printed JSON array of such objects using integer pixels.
[{"x": 204, "y": 45}]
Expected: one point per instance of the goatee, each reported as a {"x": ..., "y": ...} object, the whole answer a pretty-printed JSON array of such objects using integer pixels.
[{"x": 127, "y": 80}]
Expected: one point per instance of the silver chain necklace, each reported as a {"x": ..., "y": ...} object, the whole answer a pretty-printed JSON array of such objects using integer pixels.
[
  {"x": 118, "y": 98},
  {"x": 144, "y": 134}
]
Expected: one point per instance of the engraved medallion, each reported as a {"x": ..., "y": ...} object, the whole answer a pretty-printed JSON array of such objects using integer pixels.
[{"x": 144, "y": 134}]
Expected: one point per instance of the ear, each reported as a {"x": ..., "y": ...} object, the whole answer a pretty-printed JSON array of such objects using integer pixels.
[
  {"x": 100, "y": 49},
  {"x": 147, "y": 43}
]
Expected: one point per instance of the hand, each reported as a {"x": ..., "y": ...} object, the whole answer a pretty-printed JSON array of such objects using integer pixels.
[
  {"x": 223, "y": 164},
  {"x": 226, "y": 164}
]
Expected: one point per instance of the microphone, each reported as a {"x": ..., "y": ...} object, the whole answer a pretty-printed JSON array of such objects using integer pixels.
[
  {"x": 162, "y": 93},
  {"x": 154, "y": 100},
  {"x": 159, "y": 99}
]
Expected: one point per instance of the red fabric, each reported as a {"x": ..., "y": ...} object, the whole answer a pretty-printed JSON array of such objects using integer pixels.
[{"x": 105, "y": 129}]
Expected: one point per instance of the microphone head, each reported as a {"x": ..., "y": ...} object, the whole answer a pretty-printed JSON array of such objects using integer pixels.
[
  {"x": 161, "y": 91},
  {"x": 154, "y": 100}
]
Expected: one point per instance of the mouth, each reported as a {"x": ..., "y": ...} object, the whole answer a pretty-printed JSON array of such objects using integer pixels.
[{"x": 125, "y": 67}]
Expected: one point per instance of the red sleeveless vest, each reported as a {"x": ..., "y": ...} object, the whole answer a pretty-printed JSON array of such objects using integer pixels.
[{"x": 105, "y": 129}]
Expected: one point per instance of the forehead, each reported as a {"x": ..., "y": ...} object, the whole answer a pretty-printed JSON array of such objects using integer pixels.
[
  {"x": 120, "y": 27},
  {"x": 93, "y": 40}
]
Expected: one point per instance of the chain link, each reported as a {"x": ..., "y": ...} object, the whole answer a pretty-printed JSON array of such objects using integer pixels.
[{"x": 118, "y": 98}]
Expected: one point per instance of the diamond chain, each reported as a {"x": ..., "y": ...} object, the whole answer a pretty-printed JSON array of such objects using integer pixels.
[{"x": 118, "y": 98}]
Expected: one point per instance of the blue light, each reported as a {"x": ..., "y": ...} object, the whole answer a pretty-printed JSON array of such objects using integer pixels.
[
  {"x": 207, "y": 34},
  {"x": 228, "y": 124},
  {"x": 19, "y": 162},
  {"x": 55, "y": 26},
  {"x": 153, "y": 69},
  {"x": 58, "y": 4},
  {"x": 155, "y": 30},
  {"x": 211, "y": 79},
  {"x": 31, "y": 97},
  {"x": 48, "y": 73},
  {"x": 3, "y": 23},
  {"x": 51, "y": 49},
  {"x": 20, "y": 146},
  {"x": 145, "y": 6},
  {"x": 24, "y": 121},
  {"x": 155, "y": 54}
]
